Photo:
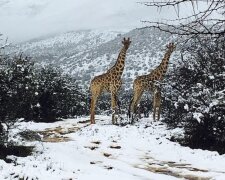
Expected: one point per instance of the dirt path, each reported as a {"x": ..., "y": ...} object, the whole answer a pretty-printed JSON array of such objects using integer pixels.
[
  {"x": 170, "y": 168},
  {"x": 175, "y": 169}
]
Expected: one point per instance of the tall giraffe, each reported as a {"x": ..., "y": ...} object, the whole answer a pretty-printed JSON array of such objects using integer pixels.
[
  {"x": 147, "y": 82},
  {"x": 110, "y": 82}
]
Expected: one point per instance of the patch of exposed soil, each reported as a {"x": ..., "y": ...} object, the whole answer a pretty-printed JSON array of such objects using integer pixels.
[
  {"x": 175, "y": 169},
  {"x": 57, "y": 134}
]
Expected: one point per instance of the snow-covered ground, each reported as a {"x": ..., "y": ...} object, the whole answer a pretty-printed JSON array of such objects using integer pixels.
[{"x": 73, "y": 149}]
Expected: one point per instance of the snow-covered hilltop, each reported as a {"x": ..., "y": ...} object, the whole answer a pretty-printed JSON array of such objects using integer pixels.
[
  {"x": 90, "y": 52},
  {"x": 83, "y": 40}
]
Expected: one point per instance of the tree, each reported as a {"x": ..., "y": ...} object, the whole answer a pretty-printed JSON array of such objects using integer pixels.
[
  {"x": 58, "y": 96},
  {"x": 16, "y": 75},
  {"x": 201, "y": 22},
  {"x": 195, "y": 96},
  {"x": 28, "y": 92}
]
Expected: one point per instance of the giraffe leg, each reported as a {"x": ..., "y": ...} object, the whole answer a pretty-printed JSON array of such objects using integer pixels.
[
  {"x": 94, "y": 97},
  {"x": 136, "y": 100},
  {"x": 154, "y": 112},
  {"x": 159, "y": 111},
  {"x": 133, "y": 107},
  {"x": 113, "y": 105},
  {"x": 118, "y": 105},
  {"x": 118, "y": 110},
  {"x": 93, "y": 103}
]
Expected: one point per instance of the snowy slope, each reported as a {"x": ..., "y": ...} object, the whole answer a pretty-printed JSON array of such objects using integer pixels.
[
  {"x": 73, "y": 149},
  {"x": 52, "y": 49},
  {"x": 86, "y": 54}
]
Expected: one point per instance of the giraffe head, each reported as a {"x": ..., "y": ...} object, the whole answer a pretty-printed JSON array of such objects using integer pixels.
[
  {"x": 126, "y": 42},
  {"x": 171, "y": 47}
]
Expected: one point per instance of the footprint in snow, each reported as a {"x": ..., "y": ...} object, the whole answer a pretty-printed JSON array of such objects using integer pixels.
[
  {"x": 107, "y": 154},
  {"x": 95, "y": 146},
  {"x": 91, "y": 147},
  {"x": 96, "y": 142},
  {"x": 115, "y": 146},
  {"x": 108, "y": 167}
]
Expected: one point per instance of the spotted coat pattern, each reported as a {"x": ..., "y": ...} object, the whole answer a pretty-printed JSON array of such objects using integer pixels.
[
  {"x": 109, "y": 82},
  {"x": 147, "y": 82}
]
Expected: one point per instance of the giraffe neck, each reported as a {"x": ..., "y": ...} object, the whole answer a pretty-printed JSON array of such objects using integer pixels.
[
  {"x": 165, "y": 61},
  {"x": 120, "y": 63},
  {"x": 160, "y": 71}
]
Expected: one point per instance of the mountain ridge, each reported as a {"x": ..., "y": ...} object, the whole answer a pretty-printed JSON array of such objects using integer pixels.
[{"x": 85, "y": 54}]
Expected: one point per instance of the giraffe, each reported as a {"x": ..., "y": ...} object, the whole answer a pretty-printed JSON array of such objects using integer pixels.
[
  {"x": 156, "y": 102},
  {"x": 109, "y": 82},
  {"x": 147, "y": 82}
]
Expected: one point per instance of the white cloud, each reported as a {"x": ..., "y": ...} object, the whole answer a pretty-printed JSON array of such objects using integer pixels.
[{"x": 25, "y": 19}]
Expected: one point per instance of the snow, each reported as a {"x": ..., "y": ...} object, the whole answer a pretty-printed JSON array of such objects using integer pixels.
[
  {"x": 105, "y": 151},
  {"x": 88, "y": 53},
  {"x": 186, "y": 107},
  {"x": 197, "y": 116},
  {"x": 176, "y": 105},
  {"x": 214, "y": 103}
]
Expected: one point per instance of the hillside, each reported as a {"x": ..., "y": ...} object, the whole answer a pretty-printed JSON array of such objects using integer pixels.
[{"x": 88, "y": 53}]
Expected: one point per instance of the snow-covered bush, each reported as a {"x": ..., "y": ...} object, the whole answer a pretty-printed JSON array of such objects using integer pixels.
[
  {"x": 195, "y": 96},
  {"x": 31, "y": 93},
  {"x": 15, "y": 98},
  {"x": 58, "y": 96}
]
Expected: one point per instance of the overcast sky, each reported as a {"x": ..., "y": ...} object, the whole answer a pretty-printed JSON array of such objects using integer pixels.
[{"x": 22, "y": 20}]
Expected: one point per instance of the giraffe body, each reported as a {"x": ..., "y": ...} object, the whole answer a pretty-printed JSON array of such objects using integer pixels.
[
  {"x": 147, "y": 82},
  {"x": 109, "y": 82}
]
